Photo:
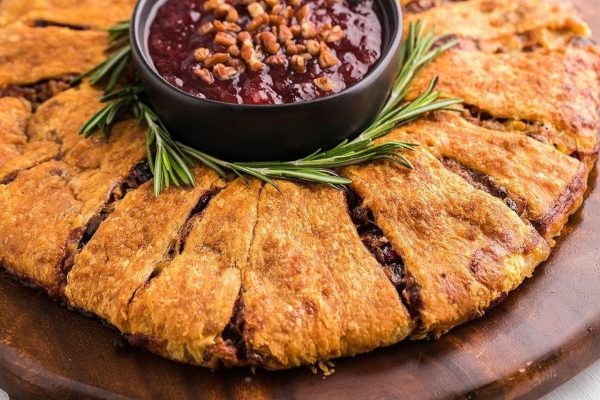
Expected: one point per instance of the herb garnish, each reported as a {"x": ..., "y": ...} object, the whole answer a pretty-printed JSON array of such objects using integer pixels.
[{"x": 170, "y": 160}]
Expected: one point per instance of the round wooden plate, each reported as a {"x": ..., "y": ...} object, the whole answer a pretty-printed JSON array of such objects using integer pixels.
[{"x": 542, "y": 335}]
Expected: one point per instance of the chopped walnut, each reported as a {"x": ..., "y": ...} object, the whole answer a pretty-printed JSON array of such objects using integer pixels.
[
  {"x": 333, "y": 35},
  {"x": 205, "y": 75},
  {"x": 223, "y": 72},
  {"x": 278, "y": 60},
  {"x": 245, "y": 39},
  {"x": 326, "y": 57},
  {"x": 233, "y": 50},
  {"x": 269, "y": 42},
  {"x": 255, "y": 9},
  {"x": 313, "y": 47},
  {"x": 284, "y": 34},
  {"x": 277, "y": 10},
  {"x": 299, "y": 63},
  {"x": 303, "y": 13},
  {"x": 309, "y": 30},
  {"x": 276, "y": 20},
  {"x": 249, "y": 55},
  {"x": 291, "y": 48},
  {"x": 216, "y": 59},
  {"x": 268, "y": 38},
  {"x": 201, "y": 54},
  {"x": 296, "y": 30},
  {"x": 213, "y": 4},
  {"x": 258, "y": 22},
  {"x": 224, "y": 39},
  {"x": 206, "y": 28},
  {"x": 239, "y": 65},
  {"x": 324, "y": 83},
  {"x": 224, "y": 26}
]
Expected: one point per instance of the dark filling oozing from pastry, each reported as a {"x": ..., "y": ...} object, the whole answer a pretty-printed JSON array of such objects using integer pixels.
[
  {"x": 381, "y": 248},
  {"x": 487, "y": 184},
  {"x": 267, "y": 52},
  {"x": 78, "y": 238},
  {"x": 39, "y": 92},
  {"x": 534, "y": 129}
]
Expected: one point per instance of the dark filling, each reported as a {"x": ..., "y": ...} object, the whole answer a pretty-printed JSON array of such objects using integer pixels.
[
  {"x": 381, "y": 248},
  {"x": 39, "y": 92},
  {"x": 177, "y": 245},
  {"x": 174, "y": 37},
  {"x": 488, "y": 185},
  {"x": 535, "y": 130},
  {"x": 233, "y": 334},
  {"x": 44, "y": 24}
]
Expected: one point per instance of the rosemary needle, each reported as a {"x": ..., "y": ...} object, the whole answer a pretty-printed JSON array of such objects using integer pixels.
[{"x": 170, "y": 161}]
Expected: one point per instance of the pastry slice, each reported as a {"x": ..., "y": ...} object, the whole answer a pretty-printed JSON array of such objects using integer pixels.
[
  {"x": 48, "y": 211},
  {"x": 190, "y": 310},
  {"x": 28, "y": 54},
  {"x": 72, "y": 13},
  {"x": 53, "y": 130},
  {"x": 559, "y": 106},
  {"x": 311, "y": 290},
  {"x": 534, "y": 179},
  {"x": 129, "y": 246},
  {"x": 38, "y": 215},
  {"x": 461, "y": 248},
  {"x": 512, "y": 24}
]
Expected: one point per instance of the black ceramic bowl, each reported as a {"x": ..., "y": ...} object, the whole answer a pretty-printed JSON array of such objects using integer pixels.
[{"x": 269, "y": 132}]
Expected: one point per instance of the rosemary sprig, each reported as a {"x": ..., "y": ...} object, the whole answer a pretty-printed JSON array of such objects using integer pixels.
[
  {"x": 120, "y": 54},
  {"x": 170, "y": 161}
]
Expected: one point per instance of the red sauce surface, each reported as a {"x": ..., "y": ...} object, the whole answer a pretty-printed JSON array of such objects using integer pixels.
[{"x": 174, "y": 37}]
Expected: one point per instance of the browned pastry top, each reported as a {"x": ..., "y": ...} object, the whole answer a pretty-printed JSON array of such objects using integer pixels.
[{"x": 232, "y": 273}]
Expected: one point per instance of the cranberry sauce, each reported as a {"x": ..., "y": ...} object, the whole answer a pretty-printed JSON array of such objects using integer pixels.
[{"x": 264, "y": 52}]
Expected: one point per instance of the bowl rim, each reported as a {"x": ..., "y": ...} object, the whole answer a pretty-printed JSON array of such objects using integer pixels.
[{"x": 140, "y": 52}]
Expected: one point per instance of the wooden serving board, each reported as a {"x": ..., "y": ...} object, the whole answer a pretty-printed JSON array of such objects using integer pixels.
[{"x": 541, "y": 336}]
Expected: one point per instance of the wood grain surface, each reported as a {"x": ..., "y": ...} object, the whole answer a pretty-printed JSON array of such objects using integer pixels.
[{"x": 543, "y": 334}]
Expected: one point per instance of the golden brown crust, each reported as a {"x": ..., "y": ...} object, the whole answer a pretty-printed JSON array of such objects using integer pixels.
[
  {"x": 490, "y": 19},
  {"x": 280, "y": 278},
  {"x": 14, "y": 114},
  {"x": 564, "y": 99},
  {"x": 28, "y": 55},
  {"x": 311, "y": 289},
  {"x": 463, "y": 247},
  {"x": 128, "y": 246},
  {"x": 35, "y": 234},
  {"x": 80, "y": 13},
  {"x": 513, "y": 160},
  {"x": 188, "y": 305}
]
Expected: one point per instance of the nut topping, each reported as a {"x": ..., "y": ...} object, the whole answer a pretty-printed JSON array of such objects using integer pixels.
[
  {"x": 224, "y": 39},
  {"x": 201, "y": 54},
  {"x": 206, "y": 28},
  {"x": 308, "y": 29},
  {"x": 205, "y": 75},
  {"x": 324, "y": 83},
  {"x": 299, "y": 63},
  {"x": 223, "y": 72},
  {"x": 269, "y": 42},
  {"x": 284, "y": 34},
  {"x": 279, "y": 33},
  {"x": 326, "y": 57},
  {"x": 216, "y": 59}
]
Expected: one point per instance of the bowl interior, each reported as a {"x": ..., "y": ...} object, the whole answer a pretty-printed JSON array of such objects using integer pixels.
[{"x": 388, "y": 11}]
